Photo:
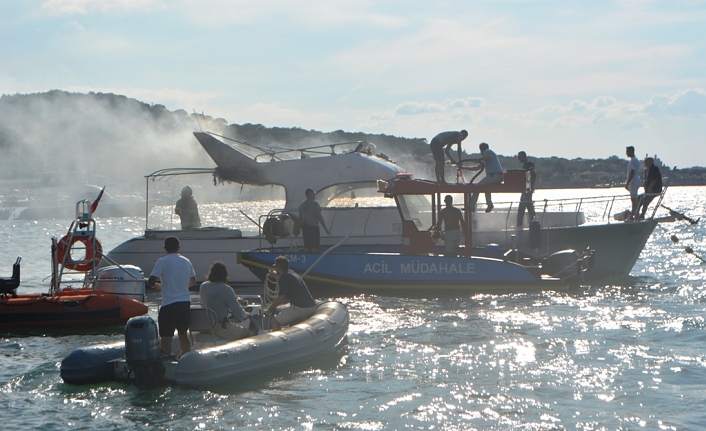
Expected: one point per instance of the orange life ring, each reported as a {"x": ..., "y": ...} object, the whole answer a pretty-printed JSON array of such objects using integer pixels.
[{"x": 64, "y": 251}]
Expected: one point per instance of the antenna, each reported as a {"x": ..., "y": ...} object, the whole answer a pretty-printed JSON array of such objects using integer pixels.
[{"x": 196, "y": 115}]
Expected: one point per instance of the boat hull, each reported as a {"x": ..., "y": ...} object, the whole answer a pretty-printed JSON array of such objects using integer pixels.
[
  {"x": 617, "y": 246},
  {"x": 413, "y": 275},
  {"x": 68, "y": 308},
  {"x": 123, "y": 209},
  {"x": 224, "y": 364}
]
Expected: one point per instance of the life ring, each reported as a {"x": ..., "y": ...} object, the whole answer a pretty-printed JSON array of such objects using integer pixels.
[
  {"x": 274, "y": 228},
  {"x": 64, "y": 247},
  {"x": 296, "y": 230}
]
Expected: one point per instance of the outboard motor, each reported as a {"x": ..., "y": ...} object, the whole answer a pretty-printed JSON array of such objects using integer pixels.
[
  {"x": 142, "y": 351},
  {"x": 125, "y": 280},
  {"x": 563, "y": 264},
  {"x": 535, "y": 235}
]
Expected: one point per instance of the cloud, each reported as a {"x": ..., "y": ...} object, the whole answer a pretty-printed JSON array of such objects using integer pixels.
[
  {"x": 417, "y": 108},
  {"x": 61, "y": 7},
  {"x": 691, "y": 102},
  {"x": 310, "y": 14},
  {"x": 579, "y": 113}
]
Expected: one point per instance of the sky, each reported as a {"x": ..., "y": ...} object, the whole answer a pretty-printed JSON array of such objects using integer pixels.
[{"x": 553, "y": 78}]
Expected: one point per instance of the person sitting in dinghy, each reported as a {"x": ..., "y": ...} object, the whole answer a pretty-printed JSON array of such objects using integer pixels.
[
  {"x": 219, "y": 297},
  {"x": 292, "y": 288}
]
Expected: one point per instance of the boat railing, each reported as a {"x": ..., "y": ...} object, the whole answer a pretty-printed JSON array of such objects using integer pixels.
[
  {"x": 281, "y": 153},
  {"x": 565, "y": 211}
]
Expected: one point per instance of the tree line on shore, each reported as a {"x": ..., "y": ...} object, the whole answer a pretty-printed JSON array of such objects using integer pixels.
[{"x": 44, "y": 133}]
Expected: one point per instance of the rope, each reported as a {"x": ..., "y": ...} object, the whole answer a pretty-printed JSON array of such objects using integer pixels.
[{"x": 271, "y": 290}]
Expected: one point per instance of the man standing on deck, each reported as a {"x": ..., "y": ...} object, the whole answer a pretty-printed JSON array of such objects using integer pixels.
[
  {"x": 441, "y": 144},
  {"x": 653, "y": 185},
  {"x": 455, "y": 226},
  {"x": 493, "y": 175},
  {"x": 187, "y": 210},
  {"x": 526, "y": 198},
  {"x": 633, "y": 182},
  {"x": 177, "y": 275},
  {"x": 310, "y": 215}
]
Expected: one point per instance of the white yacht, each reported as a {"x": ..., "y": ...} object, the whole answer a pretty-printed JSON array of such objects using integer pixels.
[{"x": 333, "y": 172}]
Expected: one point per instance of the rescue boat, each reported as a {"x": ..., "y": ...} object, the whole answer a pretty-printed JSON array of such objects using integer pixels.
[{"x": 108, "y": 296}]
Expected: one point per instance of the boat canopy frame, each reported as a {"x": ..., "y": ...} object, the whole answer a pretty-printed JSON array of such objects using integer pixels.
[
  {"x": 415, "y": 241},
  {"x": 166, "y": 175}
]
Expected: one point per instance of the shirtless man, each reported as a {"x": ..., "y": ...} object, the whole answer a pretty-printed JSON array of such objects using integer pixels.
[{"x": 441, "y": 144}]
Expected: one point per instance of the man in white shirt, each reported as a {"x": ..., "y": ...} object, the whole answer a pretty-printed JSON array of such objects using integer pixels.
[
  {"x": 177, "y": 275},
  {"x": 633, "y": 182}
]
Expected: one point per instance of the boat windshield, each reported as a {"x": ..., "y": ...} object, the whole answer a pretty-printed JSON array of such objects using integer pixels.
[
  {"x": 416, "y": 208},
  {"x": 363, "y": 193}
]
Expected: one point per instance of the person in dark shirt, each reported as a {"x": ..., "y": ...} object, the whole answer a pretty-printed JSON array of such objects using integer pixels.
[
  {"x": 187, "y": 210},
  {"x": 652, "y": 184},
  {"x": 441, "y": 144},
  {"x": 292, "y": 288},
  {"x": 311, "y": 218},
  {"x": 454, "y": 226},
  {"x": 526, "y": 197}
]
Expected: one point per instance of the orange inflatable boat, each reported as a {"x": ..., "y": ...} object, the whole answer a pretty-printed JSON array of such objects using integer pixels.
[
  {"x": 108, "y": 296},
  {"x": 68, "y": 308}
]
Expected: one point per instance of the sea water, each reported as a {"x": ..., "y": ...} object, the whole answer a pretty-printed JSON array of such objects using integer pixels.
[{"x": 623, "y": 354}]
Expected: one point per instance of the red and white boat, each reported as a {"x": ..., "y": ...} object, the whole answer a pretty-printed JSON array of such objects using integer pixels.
[{"x": 77, "y": 297}]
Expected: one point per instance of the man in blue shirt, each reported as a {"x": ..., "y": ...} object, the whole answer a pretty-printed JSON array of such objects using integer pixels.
[
  {"x": 493, "y": 175},
  {"x": 292, "y": 288}
]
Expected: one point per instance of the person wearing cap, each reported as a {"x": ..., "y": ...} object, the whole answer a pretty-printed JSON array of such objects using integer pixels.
[
  {"x": 441, "y": 144},
  {"x": 633, "y": 182},
  {"x": 526, "y": 197},
  {"x": 293, "y": 289},
  {"x": 310, "y": 215},
  {"x": 187, "y": 210},
  {"x": 493, "y": 175},
  {"x": 452, "y": 218},
  {"x": 177, "y": 276}
]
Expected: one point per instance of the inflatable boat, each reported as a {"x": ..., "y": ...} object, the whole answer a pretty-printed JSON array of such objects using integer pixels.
[
  {"x": 208, "y": 364},
  {"x": 112, "y": 301},
  {"x": 78, "y": 297}
]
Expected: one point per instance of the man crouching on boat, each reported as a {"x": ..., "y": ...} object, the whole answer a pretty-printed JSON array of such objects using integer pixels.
[{"x": 292, "y": 288}]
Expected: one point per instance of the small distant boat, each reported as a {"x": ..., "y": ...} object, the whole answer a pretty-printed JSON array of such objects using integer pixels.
[
  {"x": 5, "y": 213},
  {"x": 208, "y": 365},
  {"x": 57, "y": 202},
  {"x": 111, "y": 296}
]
